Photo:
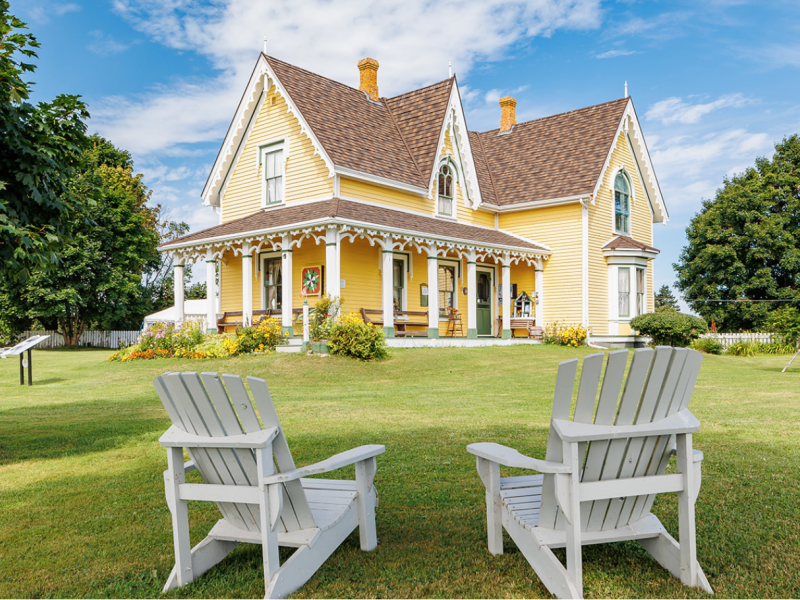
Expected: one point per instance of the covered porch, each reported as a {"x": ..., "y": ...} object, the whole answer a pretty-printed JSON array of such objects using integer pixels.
[{"x": 417, "y": 277}]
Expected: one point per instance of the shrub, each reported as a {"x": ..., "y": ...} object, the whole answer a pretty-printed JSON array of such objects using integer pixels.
[
  {"x": 264, "y": 336},
  {"x": 326, "y": 311},
  {"x": 564, "y": 334},
  {"x": 774, "y": 348},
  {"x": 707, "y": 346},
  {"x": 743, "y": 348},
  {"x": 786, "y": 323},
  {"x": 669, "y": 327},
  {"x": 350, "y": 336}
]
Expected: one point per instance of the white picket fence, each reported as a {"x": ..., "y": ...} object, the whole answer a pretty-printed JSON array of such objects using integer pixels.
[
  {"x": 729, "y": 339},
  {"x": 95, "y": 339}
]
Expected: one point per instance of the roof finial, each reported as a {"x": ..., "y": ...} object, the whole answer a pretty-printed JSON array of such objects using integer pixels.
[
  {"x": 449, "y": 69},
  {"x": 626, "y": 88},
  {"x": 265, "y": 43}
]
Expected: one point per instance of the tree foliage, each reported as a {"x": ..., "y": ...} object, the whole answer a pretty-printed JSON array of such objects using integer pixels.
[
  {"x": 665, "y": 300},
  {"x": 99, "y": 279},
  {"x": 745, "y": 244},
  {"x": 38, "y": 147}
]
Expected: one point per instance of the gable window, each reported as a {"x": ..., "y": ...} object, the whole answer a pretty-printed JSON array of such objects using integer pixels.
[
  {"x": 445, "y": 194},
  {"x": 622, "y": 202},
  {"x": 272, "y": 160}
]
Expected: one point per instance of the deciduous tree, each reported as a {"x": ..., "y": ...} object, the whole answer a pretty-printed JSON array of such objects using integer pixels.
[{"x": 744, "y": 245}]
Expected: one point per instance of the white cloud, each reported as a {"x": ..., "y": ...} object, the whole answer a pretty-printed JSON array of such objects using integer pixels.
[
  {"x": 41, "y": 11},
  {"x": 104, "y": 44},
  {"x": 691, "y": 168},
  {"x": 675, "y": 110},
  {"x": 615, "y": 53},
  {"x": 412, "y": 39}
]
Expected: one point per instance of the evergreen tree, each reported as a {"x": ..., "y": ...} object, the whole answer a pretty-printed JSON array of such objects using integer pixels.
[{"x": 665, "y": 300}]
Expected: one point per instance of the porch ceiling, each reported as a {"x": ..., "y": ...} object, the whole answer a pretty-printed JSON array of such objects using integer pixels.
[{"x": 272, "y": 220}]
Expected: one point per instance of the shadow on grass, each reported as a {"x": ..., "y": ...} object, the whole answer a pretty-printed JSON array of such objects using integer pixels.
[
  {"x": 431, "y": 527},
  {"x": 60, "y": 430}
]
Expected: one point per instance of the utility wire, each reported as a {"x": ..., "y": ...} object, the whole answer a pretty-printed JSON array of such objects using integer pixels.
[{"x": 742, "y": 300}]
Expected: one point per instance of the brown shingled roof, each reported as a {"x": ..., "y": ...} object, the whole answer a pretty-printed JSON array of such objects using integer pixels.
[
  {"x": 368, "y": 214},
  {"x": 553, "y": 157},
  {"x": 356, "y": 133},
  {"x": 624, "y": 242}
]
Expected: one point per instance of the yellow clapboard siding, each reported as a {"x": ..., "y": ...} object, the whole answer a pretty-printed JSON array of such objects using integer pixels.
[
  {"x": 601, "y": 230},
  {"x": 559, "y": 227},
  {"x": 358, "y": 266},
  {"x": 307, "y": 177},
  {"x": 360, "y": 190}
]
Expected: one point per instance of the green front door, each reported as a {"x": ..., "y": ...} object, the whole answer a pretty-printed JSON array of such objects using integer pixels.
[{"x": 484, "y": 320}]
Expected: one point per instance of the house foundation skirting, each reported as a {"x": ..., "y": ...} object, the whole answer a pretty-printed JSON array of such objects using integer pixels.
[{"x": 619, "y": 341}]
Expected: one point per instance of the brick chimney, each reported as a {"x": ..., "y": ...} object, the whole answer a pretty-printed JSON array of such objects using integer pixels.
[
  {"x": 369, "y": 77},
  {"x": 508, "y": 113}
]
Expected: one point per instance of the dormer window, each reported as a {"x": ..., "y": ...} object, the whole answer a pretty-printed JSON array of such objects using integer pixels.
[
  {"x": 622, "y": 203},
  {"x": 445, "y": 194},
  {"x": 273, "y": 161}
]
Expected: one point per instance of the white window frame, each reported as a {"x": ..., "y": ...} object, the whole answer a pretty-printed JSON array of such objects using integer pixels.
[
  {"x": 631, "y": 199},
  {"x": 456, "y": 264},
  {"x": 262, "y": 259},
  {"x": 456, "y": 181},
  {"x": 404, "y": 258},
  {"x": 643, "y": 291},
  {"x": 279, "y": 145}
]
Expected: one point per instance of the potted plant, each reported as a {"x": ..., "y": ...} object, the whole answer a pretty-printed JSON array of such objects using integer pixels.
[{"x": 325, "y": 313}]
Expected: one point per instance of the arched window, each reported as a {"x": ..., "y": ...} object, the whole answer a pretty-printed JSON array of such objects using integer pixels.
[
  {"x": 622, "y": 203},
  {"x": 445, "y": 190}
]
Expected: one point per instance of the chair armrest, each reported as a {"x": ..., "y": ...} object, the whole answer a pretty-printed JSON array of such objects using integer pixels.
[
  {"x": 680, "y": 422},
  {"x": 177, "y": 438},
  {"x": 508, "y": 457},
  {"x": 189, "y": 466},
  {"x": 337, "y": 461}
]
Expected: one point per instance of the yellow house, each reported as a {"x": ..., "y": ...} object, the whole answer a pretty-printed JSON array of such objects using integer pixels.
[{"x": 393, "y": 205}]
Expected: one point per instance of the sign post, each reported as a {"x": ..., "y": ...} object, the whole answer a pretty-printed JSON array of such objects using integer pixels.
[{"x": 23, "y": 362}]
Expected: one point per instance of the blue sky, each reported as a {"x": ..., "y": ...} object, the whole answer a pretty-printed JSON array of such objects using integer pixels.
[{"x": 715, "y": 84}]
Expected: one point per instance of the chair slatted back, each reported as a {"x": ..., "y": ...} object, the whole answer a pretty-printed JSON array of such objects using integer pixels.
[
  {"x": 659, "y": 384},
  {"x": 216, "y": 406}
]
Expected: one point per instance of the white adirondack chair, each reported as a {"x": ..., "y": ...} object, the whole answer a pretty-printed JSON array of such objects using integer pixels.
[
  {"x": 249, "y": 472},
  {"x": 603, "y": 469}
]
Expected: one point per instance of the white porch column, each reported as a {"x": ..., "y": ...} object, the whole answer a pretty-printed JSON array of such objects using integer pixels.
[
  {"x": 472, "y": 296},
  {"x": 387, "y": 285},
  {"x": 332, "y": 262},
  {"x": 539, "y": 284},
  {"x": 433, "y": 292},
  {"x": 177, "y": 274},
  {"x": 247, "y": 284},
  {"x": 506, "y": 283},
  {"x": 211, "y": 292},
  {"x": 286, "y": 274}
]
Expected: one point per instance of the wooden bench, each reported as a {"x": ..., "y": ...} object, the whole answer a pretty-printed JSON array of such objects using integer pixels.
[
  {"x": 401, "y": 324},
  {"x": 528, "y": 324},
  {"x": 258, "y": 315}
]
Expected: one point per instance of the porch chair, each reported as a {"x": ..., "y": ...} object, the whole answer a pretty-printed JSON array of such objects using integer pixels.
[
  {"x": 249, "y": 472},
  {"x": 603, "y": 469}
]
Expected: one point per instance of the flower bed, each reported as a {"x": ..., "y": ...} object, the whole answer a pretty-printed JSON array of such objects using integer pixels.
[{"x": 164, "y": 340}]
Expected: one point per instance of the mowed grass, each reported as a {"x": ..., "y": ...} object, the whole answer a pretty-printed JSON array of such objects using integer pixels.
[{"x": 82, "y": 509}]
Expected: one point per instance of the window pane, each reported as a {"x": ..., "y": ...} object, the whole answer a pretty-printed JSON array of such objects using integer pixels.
[
  {"x": 623, "y": 287},
  {"x": 278, "y": 181},
  {"x": 278, "y": 158},
  {"x": 640, "y": 307},
  {"x": 270, "y": 191},
  {"x": 445, "y": 205},
  {"x": 447, "y": 276}
]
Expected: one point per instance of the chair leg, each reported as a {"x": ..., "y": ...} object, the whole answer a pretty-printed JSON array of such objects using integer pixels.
[
  {"x": 173, "y": 477},
  {"x": 490, "y": 475},
  {"x": 690, "y": 572},
  {"x": 365, "y": 475}
]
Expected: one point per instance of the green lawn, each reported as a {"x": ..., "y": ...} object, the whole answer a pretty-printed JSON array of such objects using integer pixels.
[{"x": 83, "y": 511}]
